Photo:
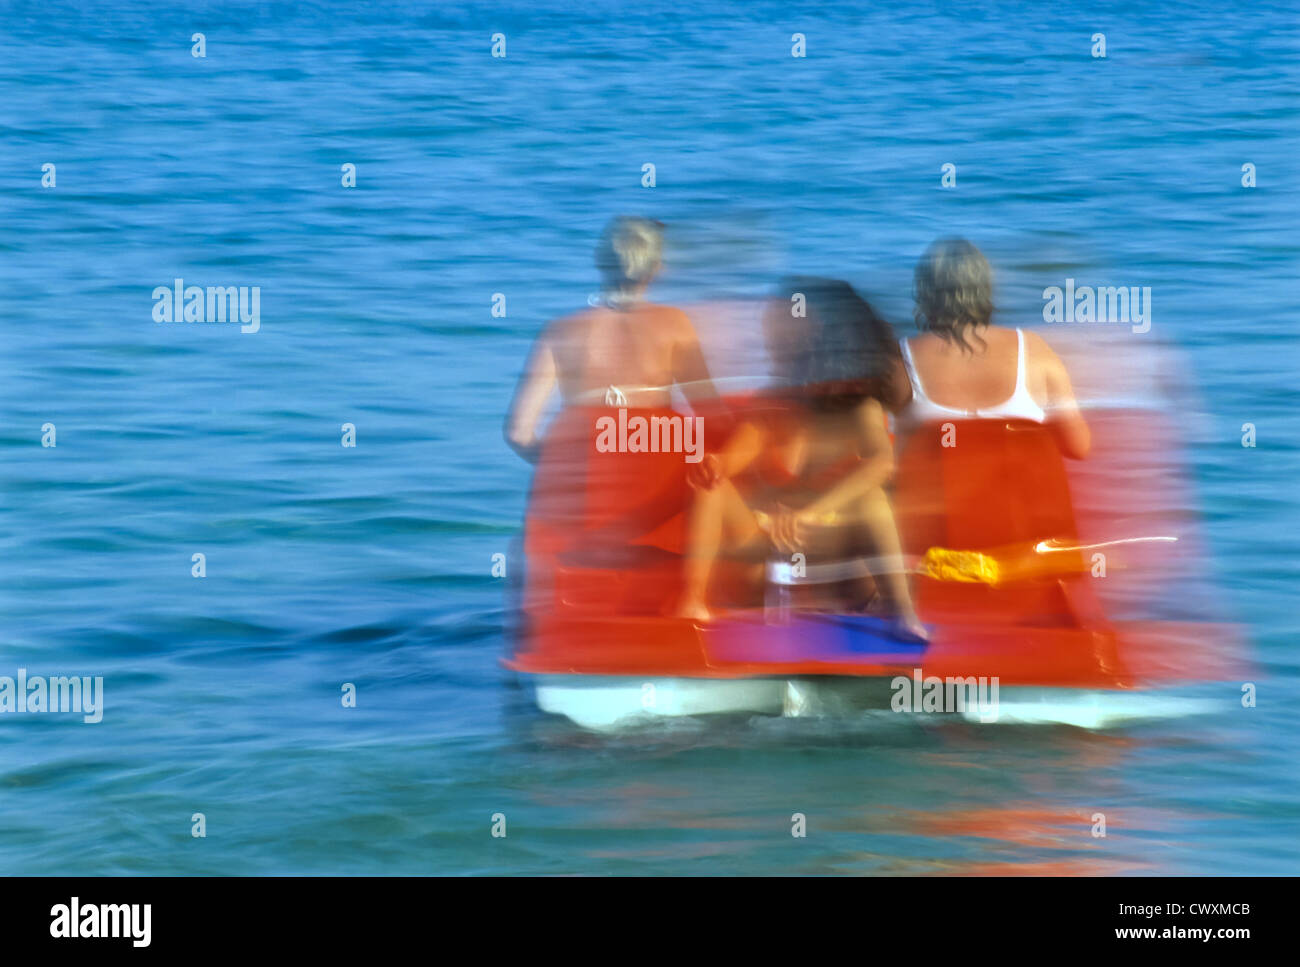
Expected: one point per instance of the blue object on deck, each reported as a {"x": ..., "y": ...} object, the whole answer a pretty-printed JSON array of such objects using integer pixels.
[{"x": 816, "y": 637}]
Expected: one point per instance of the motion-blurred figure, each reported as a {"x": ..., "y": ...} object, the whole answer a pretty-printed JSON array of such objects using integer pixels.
[
  {"x": 964, "y": 367},
  {"x": 805, "y": 471},
  {"x": 625, "y": 352}
]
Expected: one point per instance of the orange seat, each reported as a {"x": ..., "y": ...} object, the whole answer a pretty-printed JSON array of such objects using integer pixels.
[
  {"x": 604, "y": 536},
  {"x": 999, "y": 487}
]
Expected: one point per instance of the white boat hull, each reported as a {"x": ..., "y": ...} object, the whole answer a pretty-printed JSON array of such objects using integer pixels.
[{"x": 606, "y": 703}]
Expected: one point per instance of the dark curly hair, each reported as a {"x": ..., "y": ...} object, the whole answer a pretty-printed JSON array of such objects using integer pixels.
[{"x": 845, "y": 351}]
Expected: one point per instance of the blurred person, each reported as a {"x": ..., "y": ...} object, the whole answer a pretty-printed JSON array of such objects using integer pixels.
[
  {"x": 806, "y": 468},
  {"x": 624, "y": 352},
  {"x": 606, "y": 510},
  {"x": 962, "y": 366}
]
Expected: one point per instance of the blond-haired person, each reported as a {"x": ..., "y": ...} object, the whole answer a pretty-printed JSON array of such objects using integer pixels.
[{"x": 624, "y": 351}]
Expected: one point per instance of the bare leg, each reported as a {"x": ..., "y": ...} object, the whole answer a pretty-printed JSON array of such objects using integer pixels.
[
  {"x": 878, "y": 522},
  {"x": 717, "y": 514}
]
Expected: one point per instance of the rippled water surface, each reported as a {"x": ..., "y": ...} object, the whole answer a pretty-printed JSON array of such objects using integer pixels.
[{"x": 370, "y": 565}]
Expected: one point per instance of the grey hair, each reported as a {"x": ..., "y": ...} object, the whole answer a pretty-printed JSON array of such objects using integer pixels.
[
  {"x": 954, "y": 291},
  {"x": 629, "y": 253}
]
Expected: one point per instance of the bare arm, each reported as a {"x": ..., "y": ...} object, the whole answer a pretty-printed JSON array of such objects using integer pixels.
[
  {"x": 690, "y": 371},
  {"x": 741, "y": 449},
  {"x": 876, "y": 468},
  {"x": 1063, "y": 415},
  {"x": 535, "y": 386}
]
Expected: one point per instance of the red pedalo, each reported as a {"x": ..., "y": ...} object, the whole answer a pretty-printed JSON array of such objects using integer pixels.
[{"x": 1033, "y": 571}]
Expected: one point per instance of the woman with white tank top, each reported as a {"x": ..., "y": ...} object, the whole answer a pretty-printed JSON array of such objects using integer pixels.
[
  {"x": 961, "y": 365},
  {"x": 1020, "y": 405}
]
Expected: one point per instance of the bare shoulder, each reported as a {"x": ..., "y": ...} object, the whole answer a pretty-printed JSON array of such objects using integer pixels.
[
  {"x": 1056, "y": 378},
  {"x": 870, "y": 412},
  {"x": 1039, "y": 351},
  {"x": 565, "y": 327},
  {"x": 675, "y": 321}
]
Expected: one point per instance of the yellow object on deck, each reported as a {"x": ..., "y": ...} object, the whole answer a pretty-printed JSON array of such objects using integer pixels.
[
  {"x": 1014, "y": 562},
  {"x": 945, "y": 564}
]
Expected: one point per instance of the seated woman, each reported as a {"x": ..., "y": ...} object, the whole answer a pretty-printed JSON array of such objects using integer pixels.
[
  {"x": 963, "y": 367},
  {"x": 617, "y": 360},
  {"x": 805, "y": 472}
]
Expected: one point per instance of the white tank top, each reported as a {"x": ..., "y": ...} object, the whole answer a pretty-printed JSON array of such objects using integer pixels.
[{"x": 1020, "y": 405}]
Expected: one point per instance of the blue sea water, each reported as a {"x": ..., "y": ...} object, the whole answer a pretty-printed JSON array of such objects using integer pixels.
[{"x": 371, "y": 565}]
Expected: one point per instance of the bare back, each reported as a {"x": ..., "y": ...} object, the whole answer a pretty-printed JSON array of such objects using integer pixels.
[
  {"x": 635, "y": 351},
  {"x": 988, "y": 377},
  {"x": 629, "y": 357},
  {"x": 982, "y": 379}
]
